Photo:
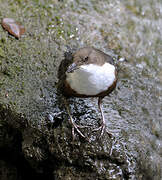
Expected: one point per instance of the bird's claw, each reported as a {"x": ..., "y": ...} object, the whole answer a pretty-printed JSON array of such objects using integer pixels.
[
  {"x": 76, "y": 127},
  {"x": 102, "y": 128}
]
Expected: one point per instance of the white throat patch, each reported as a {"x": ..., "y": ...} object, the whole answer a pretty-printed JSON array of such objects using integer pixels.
[{"x": 91, "y": 79}]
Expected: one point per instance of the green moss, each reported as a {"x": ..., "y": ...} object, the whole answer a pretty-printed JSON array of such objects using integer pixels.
[
  {"x": 133, "y": 9},
  {"x": 2, "y": 40},
  {"x": 131, "y": 25},
  {"x": 2, "y": 53},
  {"x": 20, "y": 91}
]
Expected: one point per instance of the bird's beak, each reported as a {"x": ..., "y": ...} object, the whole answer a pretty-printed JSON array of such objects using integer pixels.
[{"x": 72, "y": 68}]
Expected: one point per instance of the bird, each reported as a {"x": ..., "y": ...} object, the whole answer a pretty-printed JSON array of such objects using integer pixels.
[{"x": 88, "y": 72}]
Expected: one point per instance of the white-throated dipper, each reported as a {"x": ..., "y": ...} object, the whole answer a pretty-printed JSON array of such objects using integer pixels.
[{"x": 89, "y": 73}]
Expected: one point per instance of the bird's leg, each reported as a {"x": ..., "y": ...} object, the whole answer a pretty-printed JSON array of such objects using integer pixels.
[
  {"x": 103, "y": 125},
  {"x": 74, "y": 125}
]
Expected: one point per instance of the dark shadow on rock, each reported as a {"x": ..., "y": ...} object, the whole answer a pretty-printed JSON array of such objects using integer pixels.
[{"x": 15, "y": 165}]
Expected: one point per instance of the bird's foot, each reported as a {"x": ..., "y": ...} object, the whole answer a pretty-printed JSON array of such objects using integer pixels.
[
  {"x": 77, "y": 128},
  {"x": 101, "y": 128}
]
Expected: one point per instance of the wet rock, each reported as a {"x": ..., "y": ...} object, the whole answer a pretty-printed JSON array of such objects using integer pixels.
[
  {"x": 13, "y": 27},
  {"x": 32, "y": 141},
  {"x": 102, "y": 159},
  {"x": 52, "y": 151}
]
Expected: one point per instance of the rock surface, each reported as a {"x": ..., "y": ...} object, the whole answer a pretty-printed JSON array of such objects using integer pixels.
[{"x": 35, "y": 136}]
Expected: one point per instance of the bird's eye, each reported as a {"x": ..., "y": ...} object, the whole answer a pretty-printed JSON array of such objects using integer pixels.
[{"x": 85, "y": 59}]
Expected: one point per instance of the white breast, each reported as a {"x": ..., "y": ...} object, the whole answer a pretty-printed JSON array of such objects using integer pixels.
[{"x": 91, "y": 79}]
